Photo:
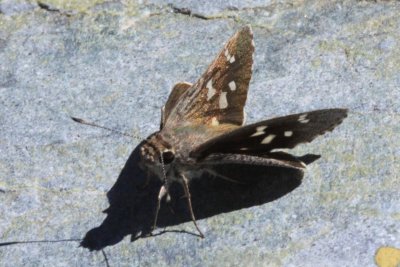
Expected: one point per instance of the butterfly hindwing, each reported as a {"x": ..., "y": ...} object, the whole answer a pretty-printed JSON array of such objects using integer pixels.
[
  {"x": 220, "y": 94},
  {"x": 246, "y": 169},
  {"x": 281, "y": 132},
  {"x": 173, "y": 99}
]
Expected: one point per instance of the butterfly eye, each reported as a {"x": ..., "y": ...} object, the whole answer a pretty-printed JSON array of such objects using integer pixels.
[{"x": 168, "y": 156}]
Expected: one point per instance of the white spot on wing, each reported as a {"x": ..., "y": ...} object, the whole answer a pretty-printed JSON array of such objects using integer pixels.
[
  {"x": 228, "y": 56},
  {"x": 259, "y": 131},
  {"x": 244, "y": 148},
  {"x": 268, "y": 139},
  {"x": 223, "y": 102},
  {"x": 214, "y": 121},
  {"x": 211, "y": 91},
  {"x": 303, "y": 118},
  {"x": 232, "y": 85},
  {"x": 232, "y": 59},
  {"x": 288, "y": 133}
]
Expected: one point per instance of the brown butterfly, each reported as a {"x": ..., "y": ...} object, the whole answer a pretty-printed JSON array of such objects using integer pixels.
[{"x": 202, "y": 127}]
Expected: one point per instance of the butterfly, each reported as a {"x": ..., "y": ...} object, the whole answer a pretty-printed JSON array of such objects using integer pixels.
[{"x": 202, "y": 131}]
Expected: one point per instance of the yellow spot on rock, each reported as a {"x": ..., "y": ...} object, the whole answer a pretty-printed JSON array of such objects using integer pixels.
[{"x": 387, "y": 257}]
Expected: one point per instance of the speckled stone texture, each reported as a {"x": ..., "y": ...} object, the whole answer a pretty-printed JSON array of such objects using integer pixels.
[{"x": 114, "y": 62}]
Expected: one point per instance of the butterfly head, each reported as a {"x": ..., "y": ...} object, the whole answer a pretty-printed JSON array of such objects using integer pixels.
[{"x": 156, "y": 153}]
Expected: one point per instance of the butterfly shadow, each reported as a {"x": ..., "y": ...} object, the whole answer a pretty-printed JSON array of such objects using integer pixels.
[{"x": 133, "y": 200}]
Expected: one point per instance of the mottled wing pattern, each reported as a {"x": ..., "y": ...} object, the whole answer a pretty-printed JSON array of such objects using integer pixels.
[
  {"x": 281, "y": 132},
  {"x": 219, "y": 96},
  {"x": 173, "y": 99}
]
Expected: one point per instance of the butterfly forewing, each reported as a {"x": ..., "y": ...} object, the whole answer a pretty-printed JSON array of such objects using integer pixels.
[
  {"x": 219, "y": 96},
  {"x": 282, "y": 132}
]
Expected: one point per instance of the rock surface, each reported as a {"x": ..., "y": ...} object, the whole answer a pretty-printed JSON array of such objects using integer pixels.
[{"x": 115, "y": 62}]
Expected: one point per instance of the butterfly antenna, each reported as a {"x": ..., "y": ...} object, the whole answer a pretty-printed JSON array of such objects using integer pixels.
[
  {"x": 82, "y": 121},
  {"x": 38, "y": 241},
  {"x": 162, "y": 193},
  {"x": 163, "y": 168}
]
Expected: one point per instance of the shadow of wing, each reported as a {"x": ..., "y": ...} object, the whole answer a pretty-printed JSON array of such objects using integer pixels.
[{"x": 133, "y": 199}]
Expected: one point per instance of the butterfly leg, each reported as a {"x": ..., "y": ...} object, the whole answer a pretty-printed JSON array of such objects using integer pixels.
[
  {"x": 187, "y": 193},
  {"x": 161, "y": 195}
]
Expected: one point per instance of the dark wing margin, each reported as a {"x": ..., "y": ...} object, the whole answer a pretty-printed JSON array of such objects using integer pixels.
[{"x": 281, "y": 132}]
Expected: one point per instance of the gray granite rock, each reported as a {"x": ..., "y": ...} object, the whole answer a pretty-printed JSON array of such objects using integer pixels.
[{"x": 114, "y": 62}]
